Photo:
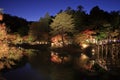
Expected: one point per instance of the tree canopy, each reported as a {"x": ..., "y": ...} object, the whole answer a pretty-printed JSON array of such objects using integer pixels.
[{"x": 62, "y": 23}]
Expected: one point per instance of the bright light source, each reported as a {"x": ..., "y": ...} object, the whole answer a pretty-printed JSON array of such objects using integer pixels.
[
  {"x": 85, "y": 45},
  {"x": 114, "y": 40},
  {"x": 87, "y": 40},
  {"x": 83, "y": 56},
  {"x": 93, "y": 50}
]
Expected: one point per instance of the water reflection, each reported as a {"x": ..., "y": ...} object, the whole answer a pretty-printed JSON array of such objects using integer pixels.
[
  {"x": 41, "y": 67},
  {"x": 51, "y": 71},
  {"x": 60, "y": 58},
  {"x": 29, "y": 73}
]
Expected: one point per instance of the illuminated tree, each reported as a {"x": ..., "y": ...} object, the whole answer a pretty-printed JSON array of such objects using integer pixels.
[
  {"x": 101, "y": 36},
  {"x": 7, "y": 53},
  {"x": 84, "y": 37},
  {"x": 62, "y": 24},
  {"x": 6, "y": 50},
  {"x": 1, "y": 14},
  {"x": 80, "y": 38}
]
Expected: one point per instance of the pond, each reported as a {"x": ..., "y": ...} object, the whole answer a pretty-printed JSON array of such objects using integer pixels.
[{"x": 40, "y": 67}]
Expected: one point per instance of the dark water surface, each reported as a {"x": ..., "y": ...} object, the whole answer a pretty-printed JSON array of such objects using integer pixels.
[
  {"x": 57, "y": 73},
  {"x": 23, "y": 73},
  {"x": 39, "y": 67}
]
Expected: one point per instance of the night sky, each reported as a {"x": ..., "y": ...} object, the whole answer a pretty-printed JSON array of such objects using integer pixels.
[{"x": 32, "y": 10}]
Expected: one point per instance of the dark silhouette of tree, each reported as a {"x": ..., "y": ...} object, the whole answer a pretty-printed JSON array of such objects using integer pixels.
[
  {"x": 37, "y": 30},
  {"x": 40, "y": 30},
  {"x": 47, "y": 19},
  {"x": 96, "y": 13},
  {"x": 80, "y": 17},
  {"x": 98, "y": 18},
  {"x": 70, "y": 11},
  {"x": 80, "y": 8},
  {"x": 115, "y": 19},
  {"x": 16, "y": 24}
]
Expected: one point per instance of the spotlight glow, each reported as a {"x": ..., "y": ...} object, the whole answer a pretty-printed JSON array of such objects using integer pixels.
[{"x": 85, "y": 45}]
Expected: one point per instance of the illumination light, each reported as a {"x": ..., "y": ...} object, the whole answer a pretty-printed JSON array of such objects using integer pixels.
[
  {"x": 114, "y": 40},
  {"x": 83, "y": 56},
  {"x": 85, "y": 45},
  {"x": 93, "y": 50}
]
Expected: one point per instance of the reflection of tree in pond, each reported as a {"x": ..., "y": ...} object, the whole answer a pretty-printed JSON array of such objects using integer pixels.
[
  {"x": 60, "y": 58},
  {"x": 41, "y": 63},
  {"x": 62, "y": 73}
]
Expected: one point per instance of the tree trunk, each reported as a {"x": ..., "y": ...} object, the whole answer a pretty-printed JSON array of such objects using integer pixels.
[
  {"x": 63, "y": 43},
  {"x": 102, "y": 50},
  {"x": 106, "y": 51},
  {"x": 98, "y": 51},
  {"x": 62, "y": 35}
]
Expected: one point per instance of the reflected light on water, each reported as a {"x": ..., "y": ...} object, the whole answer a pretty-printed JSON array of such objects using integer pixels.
[{"x": 55, "y": 58}]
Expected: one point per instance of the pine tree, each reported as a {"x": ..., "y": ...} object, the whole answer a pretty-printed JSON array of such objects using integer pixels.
[{"x": 62, "y": 24}]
